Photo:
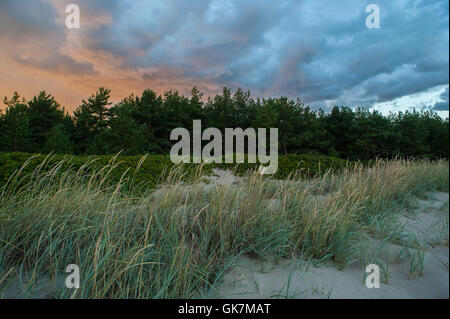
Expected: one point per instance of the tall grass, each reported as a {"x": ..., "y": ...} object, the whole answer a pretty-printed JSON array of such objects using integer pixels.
[{"x": 177, "y": 242}]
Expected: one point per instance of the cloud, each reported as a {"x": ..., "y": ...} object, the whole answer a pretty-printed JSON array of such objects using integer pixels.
[
  {"x": 33, "y": 37},
  {"x": 442, "y": 105},
  {"x": 320, "y": 51}
]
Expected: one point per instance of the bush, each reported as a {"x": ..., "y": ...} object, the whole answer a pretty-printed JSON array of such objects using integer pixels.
[{"x": 153, "y": 168}]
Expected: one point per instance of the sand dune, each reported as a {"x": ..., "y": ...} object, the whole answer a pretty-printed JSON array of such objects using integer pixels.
[{"x": 428, "y": 223}]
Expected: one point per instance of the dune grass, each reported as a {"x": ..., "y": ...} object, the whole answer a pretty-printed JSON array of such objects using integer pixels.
[{"x": 179, "y": 241}]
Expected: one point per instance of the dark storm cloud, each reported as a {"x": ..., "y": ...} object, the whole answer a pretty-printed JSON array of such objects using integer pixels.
[
  {"x": 377, "y": 61},
  {"x": 20, "y": 19},
  {"x": 60, "y": 64},
  {"x": 443, "y": 105},
  {"x": 317, "y": 50}
]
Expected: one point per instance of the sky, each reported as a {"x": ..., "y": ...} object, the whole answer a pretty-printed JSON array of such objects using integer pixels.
[{"x": 320, "y": 51}]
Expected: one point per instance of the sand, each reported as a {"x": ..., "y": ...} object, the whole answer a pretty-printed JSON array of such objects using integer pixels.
[{"x": 300, "y": 279}]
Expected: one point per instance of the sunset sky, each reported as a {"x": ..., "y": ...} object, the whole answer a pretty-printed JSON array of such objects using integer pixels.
[{"x": 319, "y": 51}]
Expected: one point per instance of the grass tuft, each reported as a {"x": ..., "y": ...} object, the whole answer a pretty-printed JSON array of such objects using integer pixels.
[{"x": 178, "y": 241}]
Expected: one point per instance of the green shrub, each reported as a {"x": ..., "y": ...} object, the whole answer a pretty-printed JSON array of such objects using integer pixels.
[{"x": 156, "y": 167}]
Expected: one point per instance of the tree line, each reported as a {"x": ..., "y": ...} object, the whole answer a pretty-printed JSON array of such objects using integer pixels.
[{"x": 142, "y": 124}]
